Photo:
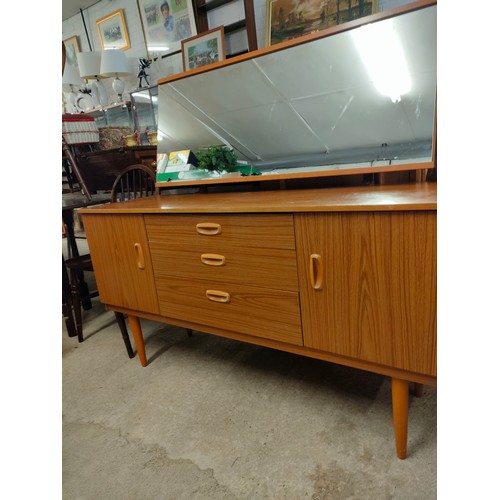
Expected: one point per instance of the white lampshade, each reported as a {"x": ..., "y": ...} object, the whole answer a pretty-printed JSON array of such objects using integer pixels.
[
  {"x": 114, "y": 63},
  {"x": 89, "y": 64},
  {"x": 70, "y": 77}
]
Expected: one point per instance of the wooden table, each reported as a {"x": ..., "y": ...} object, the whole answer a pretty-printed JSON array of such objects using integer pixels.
[
  {"x": 99, "y": 169},
  {"x": 346, "y": 275}
]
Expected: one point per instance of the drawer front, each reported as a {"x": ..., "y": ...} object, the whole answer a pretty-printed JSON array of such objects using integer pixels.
[
  {"x": 269, "y": 268},
  {"x": 261, "y": 312},
  {"x": 246, "y": 230}
]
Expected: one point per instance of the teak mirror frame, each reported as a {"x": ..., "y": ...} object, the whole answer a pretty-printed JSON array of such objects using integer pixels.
[{"x": 425, "y": 166}]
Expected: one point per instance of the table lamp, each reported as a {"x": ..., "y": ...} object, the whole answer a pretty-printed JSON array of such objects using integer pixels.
[
  {"x": 71, "y": 82},
  {"x": 115, "y": 63},
  {"x": 89, "y": 64}
]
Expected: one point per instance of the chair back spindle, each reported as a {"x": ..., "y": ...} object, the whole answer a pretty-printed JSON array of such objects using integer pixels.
[{"x": 136, "y": 181}]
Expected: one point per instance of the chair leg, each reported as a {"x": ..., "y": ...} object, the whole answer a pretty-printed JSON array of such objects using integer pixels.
[
  {"x": 77, "y": 306},
  {"x": 418, "y": 390},
  {"x": 85, "y": 299},
  {"x": 68, "y": 319},
  {"x": 67, "y": 309},
  {"x": 120, "y": 319}
]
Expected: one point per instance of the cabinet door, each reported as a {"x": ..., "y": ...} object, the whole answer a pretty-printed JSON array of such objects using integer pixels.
[
  {"x": 368, "y": 286},
  {"x": 122, "y": 263}
]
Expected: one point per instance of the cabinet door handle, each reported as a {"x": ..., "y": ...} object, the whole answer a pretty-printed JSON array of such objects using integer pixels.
[
  {"x": 208, "y": 228},
  {"x": 316, "y": 271},
  {"x": 139, "y": 256},
  {"x": 213, "y": 259},
  {"x": 217, "y": 296}
]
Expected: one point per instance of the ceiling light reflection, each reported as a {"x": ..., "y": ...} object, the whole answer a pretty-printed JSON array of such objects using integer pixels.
[{"x": 383, "y": 57}]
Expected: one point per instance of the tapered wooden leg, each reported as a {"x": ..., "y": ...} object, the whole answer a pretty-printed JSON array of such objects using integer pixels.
[
  {"x": 400, "y": 391},
  {"x": 135, "y": 326},
  {"x": 418, "y": 390}
]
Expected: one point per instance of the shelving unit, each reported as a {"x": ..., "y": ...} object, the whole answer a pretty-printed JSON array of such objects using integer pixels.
[
  {"x": 116, "y": 115},
  {"x": 145, "y": 108},
  {"x": 203, "y": 7}
]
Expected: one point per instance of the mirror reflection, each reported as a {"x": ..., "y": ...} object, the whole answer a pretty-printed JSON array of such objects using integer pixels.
[{"x": 363, "y": 97}]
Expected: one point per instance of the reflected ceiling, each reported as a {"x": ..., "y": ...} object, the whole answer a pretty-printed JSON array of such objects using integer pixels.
[{"x": 314, "y": 104}]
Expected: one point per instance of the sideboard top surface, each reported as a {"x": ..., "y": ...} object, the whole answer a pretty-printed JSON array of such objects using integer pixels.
[{"x": 351, "y": 199}]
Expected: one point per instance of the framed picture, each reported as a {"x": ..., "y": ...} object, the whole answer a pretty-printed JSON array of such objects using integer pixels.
[
  {"x": 72, "y": 48},
  {"x": 287, "y": 19},
  {"x": 203, "y": 49},
  {"x": 113, "y": 31},
  {"x": 165, "y": 24}
]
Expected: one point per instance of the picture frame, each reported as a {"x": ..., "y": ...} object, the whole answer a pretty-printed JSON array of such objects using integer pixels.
[
  {"x": 72, "y": 48},
  {"x": 203, "y": 49},
  {"x": 164, "y": 37},
  {"x": 113, "y": 32},
  {"x": 288, "y": 19}
]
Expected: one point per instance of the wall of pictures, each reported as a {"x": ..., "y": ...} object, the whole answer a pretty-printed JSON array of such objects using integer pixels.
[{"x": 172, "y": 64}]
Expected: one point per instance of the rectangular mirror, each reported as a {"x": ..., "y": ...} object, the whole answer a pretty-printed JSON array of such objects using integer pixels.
[{"x": 359, "y": 96}]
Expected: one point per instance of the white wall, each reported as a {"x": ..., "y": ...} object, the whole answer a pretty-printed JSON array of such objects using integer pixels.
[
  {"x": 75, "y": 26},
  {"x": 170, "y": 65}
]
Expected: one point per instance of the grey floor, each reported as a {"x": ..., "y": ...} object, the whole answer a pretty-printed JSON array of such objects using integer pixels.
[{"x": 212, "y": 418}]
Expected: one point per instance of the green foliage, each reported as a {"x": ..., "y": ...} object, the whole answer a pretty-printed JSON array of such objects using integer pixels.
[{"x": 217, "y": 159}]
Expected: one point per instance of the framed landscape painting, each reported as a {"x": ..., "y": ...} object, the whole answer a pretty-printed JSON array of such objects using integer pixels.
[
  {"x": 72, "y": 48},
  {"x": 287, "y": 19},
  {"x": 203, "y": 49},
  {"x": 113, "y": 31}
]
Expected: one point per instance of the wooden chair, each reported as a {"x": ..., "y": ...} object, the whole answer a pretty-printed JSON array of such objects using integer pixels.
[
  {"x": 136, "y": 181},
  {"x": 75, "y": 293}
]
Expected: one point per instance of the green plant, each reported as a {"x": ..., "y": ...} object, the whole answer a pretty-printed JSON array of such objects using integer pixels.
[{"x": 217, "y": 159}]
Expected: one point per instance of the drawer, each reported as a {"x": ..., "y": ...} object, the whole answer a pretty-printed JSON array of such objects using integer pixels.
[
  {"x": 268, "y": 267},
  {"x": 261, "y": 312},
  {"x": 247, "y": 230}
]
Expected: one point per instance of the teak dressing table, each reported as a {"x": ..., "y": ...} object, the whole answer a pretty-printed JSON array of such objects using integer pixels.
[
  {"x": 346, "y": 275},
  {"x": 341, "y": 274}
]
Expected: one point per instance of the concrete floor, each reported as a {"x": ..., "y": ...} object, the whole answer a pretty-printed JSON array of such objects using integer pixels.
[
  {"x": 215, "y": 418},
  {"x": 212, "y": 418}
]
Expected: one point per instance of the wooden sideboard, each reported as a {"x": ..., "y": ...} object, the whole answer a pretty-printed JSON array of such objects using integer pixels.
[
  {"x": 346, "y": 275},
  {"x": 99, "y": 169}
]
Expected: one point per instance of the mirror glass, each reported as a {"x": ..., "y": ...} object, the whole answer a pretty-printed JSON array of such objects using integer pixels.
[{"x": 358, "y": 98}]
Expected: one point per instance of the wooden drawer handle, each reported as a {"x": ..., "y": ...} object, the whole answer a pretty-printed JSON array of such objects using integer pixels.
[
  {"x": 218, "y": 296},
  {"x": 213, "y": 259},
  {"x": 208, "y": 228},
  {"x": 139, "y": 256},
  {"x": 316, "y": 271}
]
